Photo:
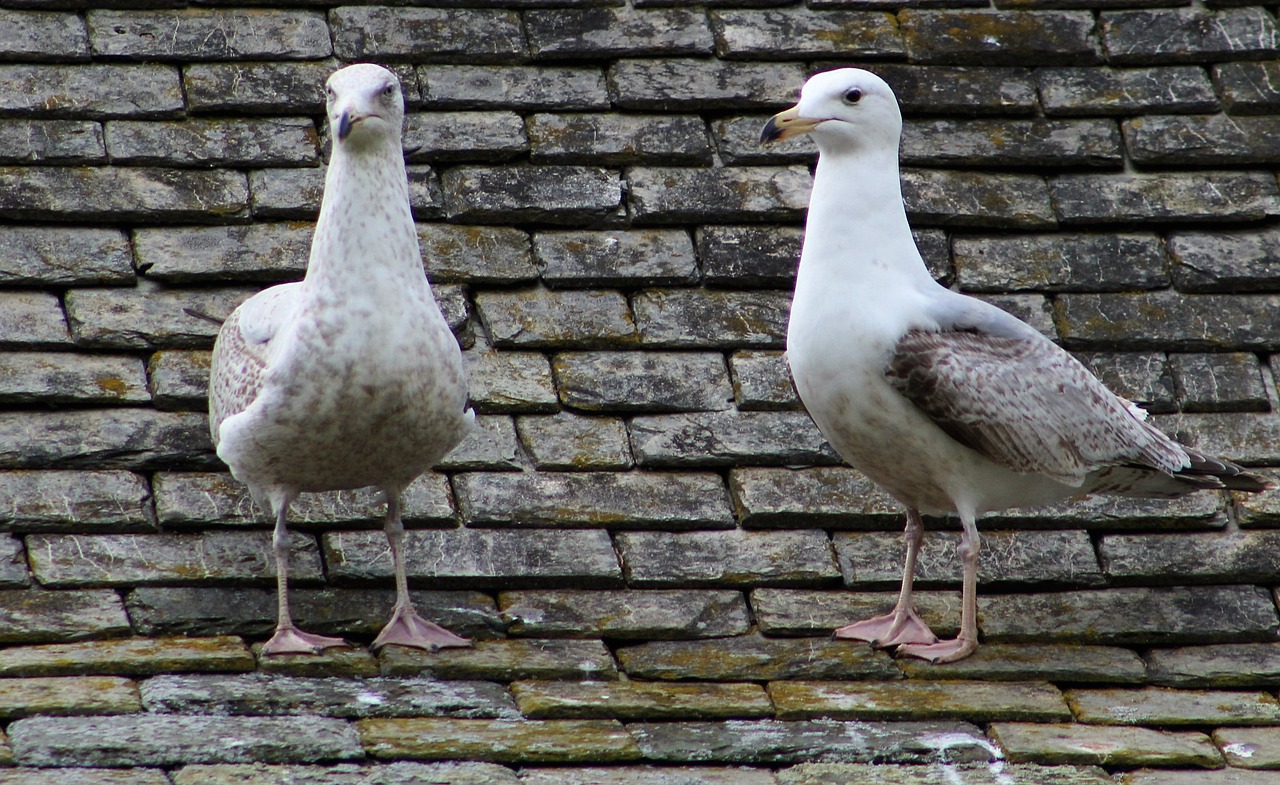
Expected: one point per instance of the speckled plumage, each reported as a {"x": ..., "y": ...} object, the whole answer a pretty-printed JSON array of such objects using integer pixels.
[
  {"x": 950, "y": 404},
  {"x": 350, "y": 377}
]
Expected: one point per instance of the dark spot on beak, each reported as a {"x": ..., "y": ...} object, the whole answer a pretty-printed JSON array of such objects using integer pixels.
[
  {"x": 344, "y": 125},
  {"x": 771, "y": 132}
]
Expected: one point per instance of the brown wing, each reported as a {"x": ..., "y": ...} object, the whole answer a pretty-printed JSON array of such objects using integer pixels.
[
  {"x": 241, "y": 350},
  {"x": 1026, "y": 404}
]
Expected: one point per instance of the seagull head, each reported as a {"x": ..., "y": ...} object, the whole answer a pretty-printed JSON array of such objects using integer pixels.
[
  {"x": 364, "y": 104},
  {"x": 846, "y": 109}
]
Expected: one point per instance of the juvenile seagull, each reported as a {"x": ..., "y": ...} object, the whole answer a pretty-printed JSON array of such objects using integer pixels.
[
  {"x": 950, "y": 404},
  {"x": 349, "y": 378}
]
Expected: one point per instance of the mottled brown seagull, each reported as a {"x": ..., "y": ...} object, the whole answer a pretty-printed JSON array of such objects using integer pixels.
[
  {"x": 950, "y": 404},
  {"x": 349, "y": 378}
]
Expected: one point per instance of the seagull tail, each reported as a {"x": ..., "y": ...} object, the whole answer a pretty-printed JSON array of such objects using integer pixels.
[{"x": 1216, "y": 472}]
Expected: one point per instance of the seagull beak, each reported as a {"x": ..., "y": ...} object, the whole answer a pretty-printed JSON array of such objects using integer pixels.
[
  {"x": 785, "y": 125},
  {"x": 345, "y": 123}
]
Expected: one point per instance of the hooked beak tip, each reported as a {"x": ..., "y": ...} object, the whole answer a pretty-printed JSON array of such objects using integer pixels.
[
  {"x": 785, "y": 125},
  {"x": 345, "y": 122}
]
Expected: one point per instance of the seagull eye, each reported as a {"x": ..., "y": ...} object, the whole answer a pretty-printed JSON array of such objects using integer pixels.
[
  {"x": 853, "y": 96},
  {"x": 389, "y": 90},
  {"x": 329, "y": 92}
]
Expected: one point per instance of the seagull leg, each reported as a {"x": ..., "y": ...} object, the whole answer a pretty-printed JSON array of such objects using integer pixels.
[
  {"x": 288, "y": 639},
  {"x": 406, "y": 627},
  {"x": 903, "y": 625},
  {"x": 967, "y": 642}
]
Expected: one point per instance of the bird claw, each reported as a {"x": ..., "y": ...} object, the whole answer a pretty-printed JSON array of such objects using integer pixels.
[
  {"x": 291, "y": 640},
  {"x": 893, "y": 629},
  {"x": 942, "y": 651},
  {"x": 407, "y": 628}
]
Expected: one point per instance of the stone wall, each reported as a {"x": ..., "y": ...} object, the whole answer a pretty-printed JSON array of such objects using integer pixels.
[{"x": 647, "y": 536}]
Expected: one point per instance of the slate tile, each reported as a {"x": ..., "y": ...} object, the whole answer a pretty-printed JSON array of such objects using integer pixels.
[
  {"x": 1258, "y": 509},
  {"x": 209, "y": 34},
  {"x": 1219, "y": 382},
  {"x": 1060, "y": 262},
  {"x": 510, "y": 381},
  {"x": 528, "y": 741},
  {"x": 1181, "y": 35},
  {"x": 286, "y": 193},
  {"x": 34, "y": 616},
  {"x": 59, "y": 377},
  {"x": 1245, "y": 437},
  {"x": 38, "y": 35},
  {"x": 981, "y": 89},
  {"x": 128, "y": 657},
  {"x": 504, "y": 660},
  {"x": 430, "y": 34},
  {"x": 762, "y": 381},
  {"x": 1032, "y": 308},
  {"x": 981, "y": 37},
  {"x": 118, "y": 438},
  {"x": 938, "y": 197},
  {"x": 755, "y": 658},
  {"x": 1168, "y": 708},
  {"x": 742, "y": 255},
  {"x": 524, "y": 194},
  {"x": 637, "y": 257},
  {"x": 571, "y": 442},
  {"x": 275, "y": 141},
  {"x": 1249, "y": 748},
  {"x": 729, "y": 558},
  {"x": 998, "y": 773},
  {"x": 14, "y": 572},
  {"x": 616, "y": 32},
  {"x": 1206, "y": 140},
  {"x": 464, "y": 136},
  {"x": 1225, "y": 261},
  {"x": 797, "y": 33},
  {"x": 32, "y": 320},
  {"x": 67, "y": 696},
  {"x": 491, "y": 445},
  {"x": 727, "y": 438},
  {"x": 1228, "y": 776},
  {"x": 826, "y": 496},
  {"x": 681, "y": 84},
  {"x": 1073, "y": 743},
  {"x": 953, "y": 700},
  {"x": 179, "y": 379},
  {"x": 1125, "y": 91},
  {"x": 1189, "y": 197},
  {"x": 51, "y": 142},
  {"x": 48, "y": 255},
  {"x": 276, "y": 87},
  {"x": 517, "y": 88},
  {"x": 636, "y": 700},
  {"x": 91, "y": 90},
  {"x": 393, "y": 773},
  {"x": 134, "y": 194},
  {"x": 816, "y": 612},
  {"x": 1167, "y": 320},
  {"x": 611, "y": 140},
  {"x": 664, "y": 195},
  {"x": 258, "y": 252},
  {"x": 1143, "y": 377},
  {"x": 738, "y": 142},
  {"x": 556, "y": 319},
  {"x": 1247, "y": 87},
  {"x": 149, "y": 316},
  {"x": 1020, "y": 662},
  {"x": 167, "y": 740},
  {"x": 1024, "y": 143},
  {"x": 1216, "y": 665},
  {"x": 647, "y": 775},
  {"x": 711, "y": 318},
  {"x": 84, "y": 776},
  {"x": 626, "y": 614},
  {"x": 647, "y": 381}
]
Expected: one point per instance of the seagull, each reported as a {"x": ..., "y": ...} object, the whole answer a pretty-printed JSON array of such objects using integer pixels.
[
  {"x": 950, "y": 404},
  {"x": 349, "y": 378}
]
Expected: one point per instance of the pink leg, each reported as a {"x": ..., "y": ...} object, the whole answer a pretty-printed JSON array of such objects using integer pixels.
[
  {"x": 288, "y": 639},
  {"x": 406, "y": 627},
  {"x": 902, "y": 625},
  {"x": 967, "y": 642}
]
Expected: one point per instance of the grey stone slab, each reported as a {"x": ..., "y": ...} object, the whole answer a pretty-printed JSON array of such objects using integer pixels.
[
  {"x": 51, "y": 142},
  {"x": 1242, "y": 556},
  {"x": 516, "y": 88},
  {"x": 1168, "y": 320},
  {"x": 59, "y": 377},
  {"x": 944, "y": 197},
  {"x": 1249, "y": 748},
  {"x": 738, "y": 142},
  {"x": 710, "y": 439},
  {"x": 613, "y": 499},
  {"x": 1168, "y": 708},
  {"x": 464, "y": 136},
  {"x": 1244, "y": 437},
  {"x": 1219, "y": 382},
  {"x": 712, "y": 318},
  {"x": 794, "y": 33},
  {"x": 539, "y": 318},
  {"x": 393, "y": 773},
  {"x": 97, "y": 500},
  {"x": 1228, "y": 776},
  {"x": 476, "y": 254},
  {"x": 1225, "y": 261},
  {"x": 572, "y": 442},
  {"x": 32, "y": 320},
  {"x": 872, "y": 560},
  {"x": 130, "y": 194},
  {"x": 179, "y": 379},
  {"x": 1075, "y": 743},
  {"x": 286, "y": 193},
  {"x": 258, "y": 251},
  {"x": 38, "y": 35},
  {"x": 426, "y": 199},
  {"x": 617, "y": 139},
  {"x": 616, "y": 32},
  {"x": 283, "y": 141},
  {"x": 968, "y": 90},
  {"x": 91, "y": 90},
  {"x": 119, "y": 438},
  {"x": 487, "y": 557},
  {"x": 1125, "y": 91},
  {"x": 1153, "y": 616},
  {"x": 13, "y": 563},
  {"x": 982, "y": 37},
  {"x": 753, "y": 657},
  {"x": 1207, "y": 140},
  {"x": 1033, "y": 308},
  {"x": 727, "y": 558},
  {"x": 524, "y": 742},
  {"x": 380, "y": 33},
  {"x": 1143, "y": 377},
  {"x": 72, "y": 560},
  {"x": 635, "y": 700},
  {"x": 642, "y": 381},
  {"x": 819, "y": 612},
  {"x": 677, "y": 84},
  {"x": 747, "y": 255},
  {"x": 1164, "y": 197},
  {"x": 772, "y": 742},
  {"x": 127, "y": 657},
  {"x": 626, "y": 615},
  {"x": 209, "y": 34},
  {"x": 84, "y": 776},
  {"x": 1258, "y": 509},
  {"x": 1013, "y": 142},
  {"x": 72, "y": 256},
  {"x": 1021, "y": 662},
  {"x": 510, "y": 381},
  {"x": 80, "y": 696},
  {"x": 167, "y": 740},
  {"x": 999, "y": 773},
  {"x": 1060, "y": 262},
  {"x": 1216, "y": 665},
  {"x": 491, "y": 445},
  {"x": 831, "y": 497},
  {"x": 638, "y": 257},
  {"x": 277, "y": 87},
  {"x": 646, "y": 775},
  {"x": 762, "y": 381},
  {"x": 581, "y": 660},
  {"x": 1248, "y": 87},
  {"x": 1202, "y": 511},
  {"x": 33, "y": 616},
  {"x": 974, "y": 701},
  {"x": 1181, "y": 35},
  {"x": 149, "y": 316},
  {"x": 717, "y": 195}
]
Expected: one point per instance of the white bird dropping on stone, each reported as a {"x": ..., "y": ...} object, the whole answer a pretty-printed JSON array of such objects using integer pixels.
[
  {"x": 950, "y": 404},
  {"x": 351, "y": 377}
]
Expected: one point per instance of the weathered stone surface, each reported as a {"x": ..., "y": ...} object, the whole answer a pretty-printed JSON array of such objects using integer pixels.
[
  {"x": 1127, "y": 91},
  {"x": 510, "y": 381},
  {"x": 954, "y": 700},
  {"x": 553, "y": 194},
  {"x": 179, "y": 379},
  {"x": 581, "y": 660},
  {"x": 478, "y": 556},
  {"x": 831, "y": 497},
  {"x": 756, "y": 658},
  {"x": 132, "y": 194},
  {"x": 529, "y": 742},
  {"x": 1249, "y": 748},
  {"x": 966, "y": 90},
  {"x": 67, "y": 696},
  {"x": 476, "y": 254},
  {"x": 571, "y": 442},
  {"x": 810, "y": 612},
  {"x": 1170, "y": 708},
  {"x": 1216, "y": 665},
  {"x": 540, "y": 318},
  {"x": 334, "y": 662},
  {"x": 1181, "y": 35},
  {"x": 1248, "y": 88},
  {"x": 427, "y": 34},
  {"x": 123, "y": 438},
  {"x": 275, "y": 87},
  {"x": 128, "y": 657},
  {"x": 1060, "y": 262},
  {"x": 1204, "y": 511},
  {"x": 1229, "y": 776},
  {"x": 58, "y": 377},
  {"x": 998, "y": 773},
  {"x": 37, "y": 35},
  {"x": 31, "y": 616},
  {"x": 169, "y": 740},
  {"x": 260, "y": 694},
  {"x": 678, "y": 195},
  {"x": 1168, "y": 320},
  {"x": 613, "y": 499},
  {"x": 394, "y": 773},
  {"x": 772, "y": 742},
  {"x": 727, "y": 438},
  {"x": 706, "y": 318},
  {"x": 616, "y": 32},
  {"x": 1201, "y": 139},
  {"x": 646, "y": 775},
  {"x": 1147, "y": 198},
  {"x": 626, "y": 615},
  {"x": 209, "y": 34},
  {"x": 999, "y": 37},
  {"x": 1246, "y": 437},
  {"x": 64, "y": 256},
  {"x": 1227, "y": 261},
  {"x": 1044, "y": 143},
  {"x": 644, "y": 257},
  {"x": 490, "y": 446},
  {"x": 1258, "y": 509},
  {"x": 1219, "y": 382},
  {"x": 980, "y": 199},
  {"x": 260, "y": 251},
  {"x": 464, "y": 136},
  {"x": 519, "y": 88},
  {"x": 797, "y": 33},
  {"x": 283, "y": 141},
  {"x": 84, "y": 776},
  {"x": 1020, "y": 662},
  {"x": 642, "y": 381},
  {"x": 51, "y": 142},
  {"x": 1032, "y": 308},
  {"x": 1180, "y": 614},
  {"x": 611, "y": 140},
  {"x": 287, "y": 193},
  {"x": 635, "y": 700},
  {"x": 95, "y": 90},
  {"x": 871, "y": 560},
  {"x": 762, "y": 381},
  {"x": 1143, "y": 377},
  {"x": 683, "y": 84},
  {"x": 13, "y": 564},
  {"x": 67, "y": 560},
  {"x": 32, "y": 320},
  {"x": 1101, "y": 745},
  {"x": 149, "y": 316},
  {"x": 729, "y": 558},
  {"x": 746, "y": 255}
]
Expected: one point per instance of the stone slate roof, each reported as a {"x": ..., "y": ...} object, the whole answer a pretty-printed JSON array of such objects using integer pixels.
[{"x": 647, "y": 537}]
